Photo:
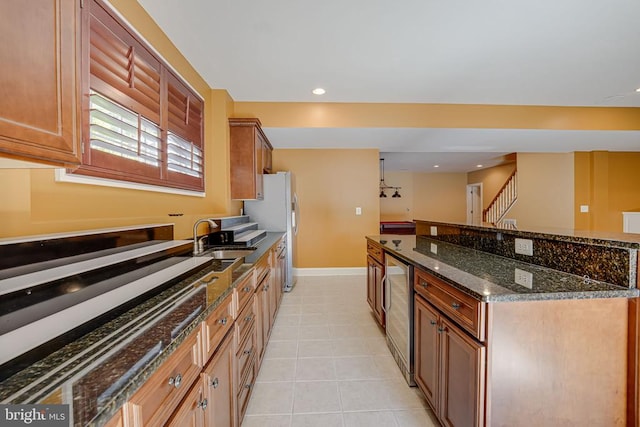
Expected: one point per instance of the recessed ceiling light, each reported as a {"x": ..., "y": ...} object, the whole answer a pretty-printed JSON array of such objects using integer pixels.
[
  {"x": 436, "y": 166},
  {"x": 638, "y": 90},
  {"x": 478, "y": 166},
  {"x": 318, "y": 91}
]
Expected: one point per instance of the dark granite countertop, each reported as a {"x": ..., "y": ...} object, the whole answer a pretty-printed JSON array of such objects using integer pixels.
[
  {"x": 491, "y": 278},
  {"x": 602, "y": 238},
  {"x": 101, "y": 370}
]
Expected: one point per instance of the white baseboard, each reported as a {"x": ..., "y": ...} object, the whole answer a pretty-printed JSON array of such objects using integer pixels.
[{"x": 337, "y": 271}]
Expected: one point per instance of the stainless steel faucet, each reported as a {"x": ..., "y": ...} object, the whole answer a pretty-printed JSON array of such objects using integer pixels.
[{"x": 196, "y": 248}]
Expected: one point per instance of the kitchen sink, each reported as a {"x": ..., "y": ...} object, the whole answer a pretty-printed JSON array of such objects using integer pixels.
[{"x": 230, "y": 253}]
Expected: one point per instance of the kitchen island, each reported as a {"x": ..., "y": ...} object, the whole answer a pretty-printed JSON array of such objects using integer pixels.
[
  {"x": 191, "y": 321},
  {"x": 489, "y": 351}
]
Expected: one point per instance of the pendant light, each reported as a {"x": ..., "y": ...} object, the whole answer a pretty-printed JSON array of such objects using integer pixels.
[{"x": 384, "y": 186}]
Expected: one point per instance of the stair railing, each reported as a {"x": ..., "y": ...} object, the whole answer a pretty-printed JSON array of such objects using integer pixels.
[{"x": 503, "y": 201}]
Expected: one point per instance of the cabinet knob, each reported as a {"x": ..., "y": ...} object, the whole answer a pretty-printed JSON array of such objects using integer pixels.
[
  {"x": 248, "y": 318},
  {"x": 424, "y": 284},
  {"x": 215, "y": 382},
  {"x": 223, "y": 321},
  {"x": 175, "y": 381},
  {"x": 203, "y": 404},
  {"x": 247, "y": 386},
  {"x": 247, "y": 351},
  {"x": 456, "y": 306},
  {"x": 433, "y": 322},
  {"x": 441, "y": 329},
  {"x": 246, "y": 289}
]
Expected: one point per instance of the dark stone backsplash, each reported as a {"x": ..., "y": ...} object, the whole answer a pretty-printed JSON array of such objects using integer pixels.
[{"x": 604, "y": 262}]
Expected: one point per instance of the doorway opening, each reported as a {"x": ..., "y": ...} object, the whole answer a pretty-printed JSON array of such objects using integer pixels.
[{"x": 474, "y": 203}]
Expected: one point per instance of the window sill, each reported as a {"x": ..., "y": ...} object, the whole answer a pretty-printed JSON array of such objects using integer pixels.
[{"x": 63, "y": 176}]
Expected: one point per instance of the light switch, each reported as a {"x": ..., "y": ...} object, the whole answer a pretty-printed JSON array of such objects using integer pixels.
[{"x": 358, "y": 210}]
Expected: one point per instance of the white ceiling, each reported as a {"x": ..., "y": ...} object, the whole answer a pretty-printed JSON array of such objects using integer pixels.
[{"x": 545, "y": 52}]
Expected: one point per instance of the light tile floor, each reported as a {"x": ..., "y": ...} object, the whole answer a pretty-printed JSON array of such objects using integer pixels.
[{"x": 327, "y": 364}]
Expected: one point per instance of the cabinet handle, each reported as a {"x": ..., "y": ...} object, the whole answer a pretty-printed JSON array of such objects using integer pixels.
[
  {"x": 215, "y": 382},
  {"x": 223, "y": 321},
  {"x": 247, "y": 386},
  {"x": 433, "y": 322},
  {"x": 248, "y": 318},
  {"x": 247, "y": 351},
  {"x": 455, "y": 306},
  {"x": 203, "y": 404},
  {"x": 424, "y": 284},
  {"x": 441, "y": 329},
  {"x": 175, "y": 381},
  {"x": 246, "y": 289}
]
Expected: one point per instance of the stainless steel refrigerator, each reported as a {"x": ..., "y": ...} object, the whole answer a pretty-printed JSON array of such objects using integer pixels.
[{"x": 278, "y": 211}]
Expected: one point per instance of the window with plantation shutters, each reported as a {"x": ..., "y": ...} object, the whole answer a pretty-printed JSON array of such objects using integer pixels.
[{"x": 141, "y": 122}]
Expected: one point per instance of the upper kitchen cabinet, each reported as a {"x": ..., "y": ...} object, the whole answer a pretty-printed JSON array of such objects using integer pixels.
[
  {"x": 39, "y": 88},
  {"x": 250, "y": 158}
]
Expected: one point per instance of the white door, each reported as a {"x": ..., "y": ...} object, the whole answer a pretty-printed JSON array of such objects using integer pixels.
[{"x": 474, "y": 204}]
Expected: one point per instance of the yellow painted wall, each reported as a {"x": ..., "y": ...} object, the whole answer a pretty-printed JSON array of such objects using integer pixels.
[
  {"x": 398, "y": 209},
  {"x": 545, "y": 191},
  {"x": 607, "y": 182},
  {"x": 33, "y": 203},
  {"x": 440, "y": 196},
  {"x": 348, "y": 115},
  {"x": 330, "y": 184},
  {"x": 492, "y": 180}
]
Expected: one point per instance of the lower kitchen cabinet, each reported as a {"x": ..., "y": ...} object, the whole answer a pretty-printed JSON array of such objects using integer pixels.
[
  {"x": 375, "y": 285},
  {"x": 156, "y": 400},
  {"x": 191, "y": 413},
  {"x": 218, "y": 378},
  {"x": 229, "y": 343},
  {"x": 267, "y": 298},
  {"x": 450, "y": 368}
]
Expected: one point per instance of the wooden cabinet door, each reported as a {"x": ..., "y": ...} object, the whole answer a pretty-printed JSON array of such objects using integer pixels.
[
  {"x": 379, "y": 292},
  {"x": 258, "y": 146},
  {"x": 249, "y": 155},
  {"x": 427, "y": 348},
  {"x": 371, "y": 283},
  {"x": 264, "y": 316},
  {"x": 218, "y": 376},
  {"x": 375, "y": 288},
  {"x": 462, "y": 377},
  {"x": 39, "y": 93},
  {"x": 191, "y": 412}
]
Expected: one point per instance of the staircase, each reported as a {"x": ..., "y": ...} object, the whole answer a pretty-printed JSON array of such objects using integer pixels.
[
  {"x": 503, "y": 201},
  {"x": 243, "y": 232}
]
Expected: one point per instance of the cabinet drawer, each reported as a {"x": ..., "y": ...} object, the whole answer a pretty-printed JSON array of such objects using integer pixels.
[
  {"x": 156, "y": 400},
  {"x": 245, "y": 321},
  {"x": 243, "y": 292},
  {"x": 215, "y": 327},
  {"x": 467, "y": 311},
  {"x": 245, "y": 356},
  {"x": 375, "y": 251},
  {"x": 262, "y": 267},
  {"x": 244, "y": 392}
]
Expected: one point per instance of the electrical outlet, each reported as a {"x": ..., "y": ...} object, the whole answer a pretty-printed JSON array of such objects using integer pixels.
[
  {"x": 524, "y": 247},
  {"x": 524, "y": 278},
  {"x": 434, "y": 248},
  {"x": 358, "y": 211},
  {"x": 434, "y": 230}
]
